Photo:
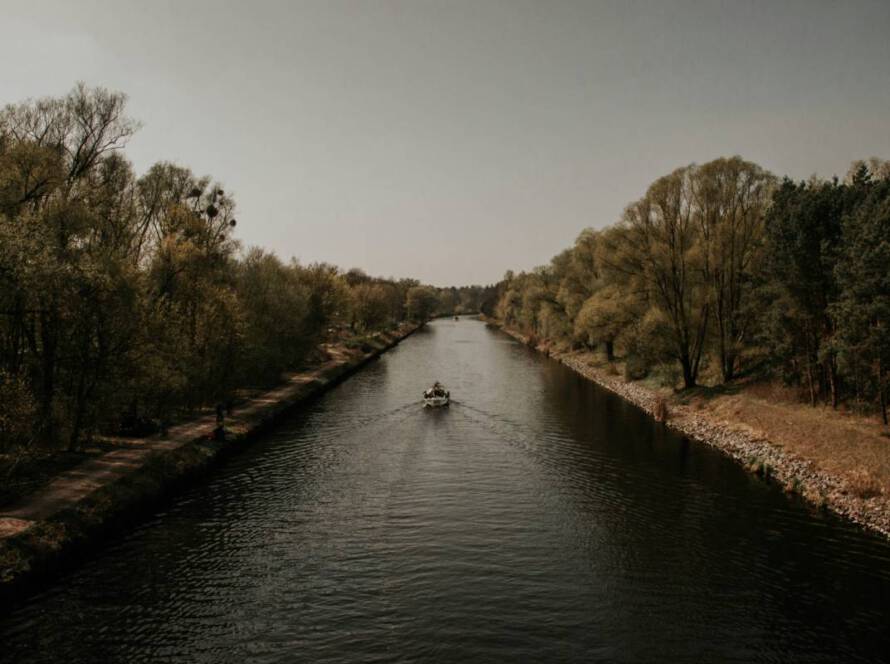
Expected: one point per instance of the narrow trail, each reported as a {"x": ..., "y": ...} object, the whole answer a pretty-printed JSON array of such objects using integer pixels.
[{"x": 77, "y": 484}]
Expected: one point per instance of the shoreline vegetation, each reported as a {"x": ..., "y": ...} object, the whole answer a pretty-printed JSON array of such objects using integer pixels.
[
  {"x": 749, "y": 311},
  {"x": 771, "y": 438},
  {"x": 128, "y": 305},
  {"x": 130, "y": 311},
  {"x": 69, "y": 514}
]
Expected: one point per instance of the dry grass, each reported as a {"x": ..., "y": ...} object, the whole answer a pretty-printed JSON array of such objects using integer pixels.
[
  {"x": 854, "y": 447},
  {"x": 863, "y": 484},
  {"x": 776, "y": 391}
]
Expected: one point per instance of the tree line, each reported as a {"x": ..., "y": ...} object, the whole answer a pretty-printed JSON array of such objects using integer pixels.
[
  {"x": 722, "y": 269},
  {"x": 455, "y": 300},
  {"x": 127, "y": 299}
]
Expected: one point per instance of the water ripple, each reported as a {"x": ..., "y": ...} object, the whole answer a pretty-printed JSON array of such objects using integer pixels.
[{"x": 536, "y": 519}]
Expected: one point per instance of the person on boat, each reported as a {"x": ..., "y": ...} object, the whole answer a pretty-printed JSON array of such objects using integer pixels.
[{"x": 435, "y": 391}]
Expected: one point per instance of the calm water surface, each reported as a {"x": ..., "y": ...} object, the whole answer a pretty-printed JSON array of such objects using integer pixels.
[{"x": 537, "y": 519}]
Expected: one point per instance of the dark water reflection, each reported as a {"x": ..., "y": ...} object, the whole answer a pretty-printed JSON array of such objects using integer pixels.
[{"x": 538, "y": 519}]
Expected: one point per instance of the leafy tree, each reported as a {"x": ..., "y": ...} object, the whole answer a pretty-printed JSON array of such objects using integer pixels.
[
  {"x": 421, "y": 302},
  {"x": 662, "y": 250},
  {"x": 371, "y": 306},
  {"x": 862, "y": 311},
  {"x": 123, "y": 298},
  {"x": 61, "y": 254},
  {"x": 803, "y": 242},
  {"x": 604, "y": 317},
  {"x": 730, "y": 198},
  {"x": 274, "y": 305}
]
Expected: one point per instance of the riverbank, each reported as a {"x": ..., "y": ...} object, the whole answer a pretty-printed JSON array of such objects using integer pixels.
[
  {"x": 58, "y": 523},
  {"x": 835, "y": 461}
]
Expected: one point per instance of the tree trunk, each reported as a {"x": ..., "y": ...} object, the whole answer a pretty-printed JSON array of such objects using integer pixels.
[
  {"x": 80, "y": 406},
  {"x": 728, "y": 367},
  {"x": 688, "y": 374},
  {"x": 47, "y": 382},
  {"x": 882, "y": 396},
  {"x": 832, "y": 382},
  {"x": 725, "y": 361},
  {"x": 811, "y": 381},
  {"x": 610, "y": 350}
]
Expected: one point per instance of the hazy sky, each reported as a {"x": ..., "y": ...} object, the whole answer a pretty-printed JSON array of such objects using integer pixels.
[{"x": 452, "y": 140}]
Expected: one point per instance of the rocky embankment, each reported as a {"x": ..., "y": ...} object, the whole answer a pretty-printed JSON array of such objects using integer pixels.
[{"x": 757, "y": 453}]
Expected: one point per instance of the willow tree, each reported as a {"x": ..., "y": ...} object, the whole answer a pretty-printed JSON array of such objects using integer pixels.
[
  {"x": 730, "y": 198},
  {"x": 578, "y": 274},
  {"x": 661, "y": 249},
  {"x": 605, "y": 316}
]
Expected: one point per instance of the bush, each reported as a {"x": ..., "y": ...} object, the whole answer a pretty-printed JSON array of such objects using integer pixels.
[
  {"x": 864, "y": 485},
  {"x": 667, "y": 374},
  {"x": 635, "y": 368},
  {"x": 17, "y": 412}
]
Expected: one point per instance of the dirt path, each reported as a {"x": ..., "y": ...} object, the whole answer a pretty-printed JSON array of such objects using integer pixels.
[{"x": 73, "y": 486}]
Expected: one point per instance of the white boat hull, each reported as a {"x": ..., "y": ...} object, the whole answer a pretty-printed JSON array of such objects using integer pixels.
[{"x": 435, "y": 402}]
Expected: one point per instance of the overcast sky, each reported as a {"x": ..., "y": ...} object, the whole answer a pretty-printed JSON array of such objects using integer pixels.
[{"x": 452, "y": 140}]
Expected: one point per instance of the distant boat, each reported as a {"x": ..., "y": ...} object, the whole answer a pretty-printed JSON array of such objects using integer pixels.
[
  {"x": 437, "y": 396},
  {"x": 457, "y": 318}
]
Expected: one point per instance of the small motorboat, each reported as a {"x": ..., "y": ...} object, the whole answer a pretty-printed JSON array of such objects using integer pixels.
[{"x": 436, "y": 396}]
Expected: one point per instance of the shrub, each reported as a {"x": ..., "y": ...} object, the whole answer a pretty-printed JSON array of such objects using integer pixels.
[
  {"x": 635, "y": 368},
  {"x": 667, "y": 374},
  {"x": 17, "y": 412},
  {"x": 864, "y": 485}
]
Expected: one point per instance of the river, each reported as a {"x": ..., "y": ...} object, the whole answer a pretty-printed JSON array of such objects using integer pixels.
[{"x": 539, "y": 518}]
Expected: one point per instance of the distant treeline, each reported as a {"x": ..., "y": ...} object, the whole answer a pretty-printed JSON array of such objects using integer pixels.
[
  {"x": 720, "y": 269},
  {"x": 126, "y": 299},
  {"x": 465, "y": 300}
]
